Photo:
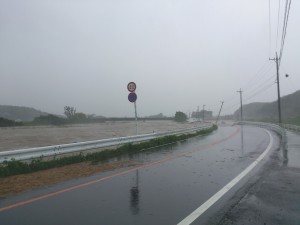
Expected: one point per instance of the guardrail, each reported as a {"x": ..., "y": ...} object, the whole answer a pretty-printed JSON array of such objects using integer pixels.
[
  {"x": 271, "y": 126},
  {"x": 276, "y": 127},
  {"x": 31, "y": 153},
  {"x": 291, "y": 127}
]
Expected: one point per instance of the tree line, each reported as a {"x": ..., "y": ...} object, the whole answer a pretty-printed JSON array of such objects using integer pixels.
[{"x": 71, "y": 116}]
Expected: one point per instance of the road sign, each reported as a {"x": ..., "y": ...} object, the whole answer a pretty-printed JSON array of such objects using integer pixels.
[
  {"x": 132, "y": 97},
  {"x": 131, "y": 86}
]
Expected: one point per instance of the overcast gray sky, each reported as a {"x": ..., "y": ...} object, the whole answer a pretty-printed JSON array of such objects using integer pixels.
[{"x": 180, "y": 53}]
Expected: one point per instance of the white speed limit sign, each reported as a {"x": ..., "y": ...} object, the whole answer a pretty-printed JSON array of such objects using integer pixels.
[{"x": 131, "y": 86}]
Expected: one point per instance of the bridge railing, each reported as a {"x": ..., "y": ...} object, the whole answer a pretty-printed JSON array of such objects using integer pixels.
[{"x": 31, "y": 153}]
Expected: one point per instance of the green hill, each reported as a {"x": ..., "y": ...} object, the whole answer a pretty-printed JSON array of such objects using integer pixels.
[
  {"x": 290, "y": 108},
  {"x": 19, "y": 113}
]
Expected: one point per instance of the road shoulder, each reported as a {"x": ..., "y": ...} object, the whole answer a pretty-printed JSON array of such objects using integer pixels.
[{"x": 275, "y": 197}]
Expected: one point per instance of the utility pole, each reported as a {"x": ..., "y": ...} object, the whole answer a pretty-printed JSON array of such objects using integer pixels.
[
  {"x": 278, "y": 88},
  {"x": 240, "y": 91},
  {"x": 203, "y": 113},
  {"x": 219, "y": 112},
  {"x": 198, "y": 114}
]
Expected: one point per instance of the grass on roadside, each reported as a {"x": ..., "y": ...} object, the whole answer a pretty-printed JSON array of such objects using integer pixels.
[{"x": 10, "y": 168}]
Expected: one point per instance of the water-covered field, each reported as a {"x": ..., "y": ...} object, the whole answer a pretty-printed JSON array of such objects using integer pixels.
[{"x": 25, "y": 137}]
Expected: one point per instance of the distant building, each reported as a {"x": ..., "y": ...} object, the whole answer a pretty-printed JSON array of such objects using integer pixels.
[
  {"x": 158, "y": 116},
  {"x": 208, "y": 115}
]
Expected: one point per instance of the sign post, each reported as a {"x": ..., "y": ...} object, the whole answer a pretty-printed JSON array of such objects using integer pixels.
[
  {"x": 136, "y": 121},
  {"x": 132, "y": 97}
]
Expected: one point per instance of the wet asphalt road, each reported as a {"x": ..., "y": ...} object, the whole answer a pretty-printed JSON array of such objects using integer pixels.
[
  {"x": 169, "y": 183},
  {"x": 274, "y": 197}
]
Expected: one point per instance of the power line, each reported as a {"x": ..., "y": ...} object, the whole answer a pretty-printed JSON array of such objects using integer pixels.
[
  {"x": 258, "y": 90},
  {"x": 270, "y": 28},
  {"x": 262, "y": 80},
  {"x": 283, "y": 28},
  {"x": 278, "y": 59},
  {"x": 258, "y": 87},
  {"x": 230, "y": 107},
  {"x": 263, "y": 70},
  {"x": 278, "y": 22},
  {"x": 262, "y": 90},
  {"x": 286, "y": 18},
  {"x": 259, "y": 74}
]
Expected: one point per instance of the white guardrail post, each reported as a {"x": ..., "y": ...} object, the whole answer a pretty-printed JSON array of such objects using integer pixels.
[{"x": 31, "y": 153}]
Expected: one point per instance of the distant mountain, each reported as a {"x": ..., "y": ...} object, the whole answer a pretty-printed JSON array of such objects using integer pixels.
[
  {"x": 290, "y": 107},
  {"x": 19, "y": 113}
]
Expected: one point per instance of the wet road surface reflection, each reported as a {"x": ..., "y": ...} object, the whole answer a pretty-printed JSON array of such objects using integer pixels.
[
  {"x": 134, "y": 195},
  {"x": 170, "y": 183}
]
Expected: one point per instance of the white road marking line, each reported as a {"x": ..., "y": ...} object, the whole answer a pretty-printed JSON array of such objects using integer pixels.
[{"x": 206, "y": 205}]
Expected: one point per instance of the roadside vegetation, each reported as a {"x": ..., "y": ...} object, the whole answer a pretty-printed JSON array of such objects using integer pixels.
[
  {"x": 180, "y": 117},
  {"x": 290, "y": 120},
  {"x": 71, "y": 116},
  {"x": 9, "y": 123},
  {"x": 9, "y": 168}
]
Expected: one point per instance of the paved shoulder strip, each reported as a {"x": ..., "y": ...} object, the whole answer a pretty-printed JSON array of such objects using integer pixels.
[{"x": 199, "y": 211}]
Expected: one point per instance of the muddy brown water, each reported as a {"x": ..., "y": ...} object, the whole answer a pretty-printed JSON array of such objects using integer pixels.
[{"x": 38, "y": 136}]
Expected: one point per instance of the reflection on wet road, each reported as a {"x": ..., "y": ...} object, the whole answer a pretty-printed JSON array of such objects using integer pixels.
[
  {"x": 168, "y": 185},
  {"x": 134, "y": 195}
]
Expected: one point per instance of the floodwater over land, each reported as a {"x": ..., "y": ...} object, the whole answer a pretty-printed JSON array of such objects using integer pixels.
[{"x": 36, "y": 136}]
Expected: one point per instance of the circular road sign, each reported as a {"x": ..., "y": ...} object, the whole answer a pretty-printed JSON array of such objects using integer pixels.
[
  {"x": 132, "y": 97},
  {"x": 131, "y": 86}
]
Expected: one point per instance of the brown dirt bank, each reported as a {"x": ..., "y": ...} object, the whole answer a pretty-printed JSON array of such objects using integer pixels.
[{"x": 26, "y": 182}]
